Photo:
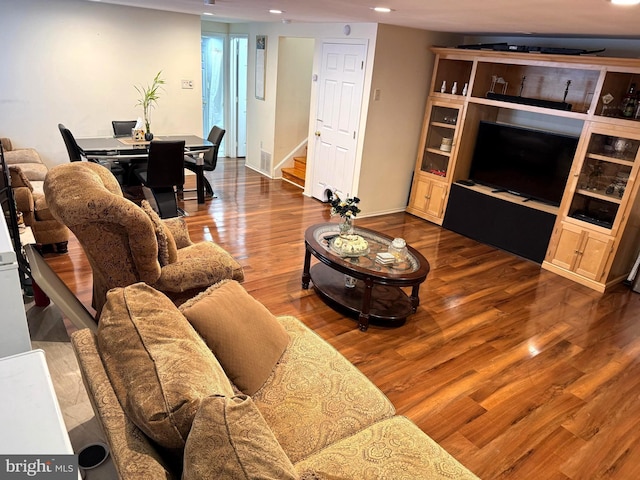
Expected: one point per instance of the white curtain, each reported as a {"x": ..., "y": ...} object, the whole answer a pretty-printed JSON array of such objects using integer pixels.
[{"x": 213, "y": 83}]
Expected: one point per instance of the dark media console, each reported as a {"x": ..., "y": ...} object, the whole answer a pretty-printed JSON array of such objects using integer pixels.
[{"x": 513, "y": 227}]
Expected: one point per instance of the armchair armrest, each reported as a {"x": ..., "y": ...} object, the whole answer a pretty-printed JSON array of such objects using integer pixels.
[{"x": 199, "y": 266}]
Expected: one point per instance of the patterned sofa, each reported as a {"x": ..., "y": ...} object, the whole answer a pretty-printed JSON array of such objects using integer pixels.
[
  {"x": 27, "y": 178},
  {"x": 219, "y": 388}
]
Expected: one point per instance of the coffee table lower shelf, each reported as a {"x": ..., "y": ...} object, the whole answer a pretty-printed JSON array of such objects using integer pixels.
[{"x": 390, "y": 306}]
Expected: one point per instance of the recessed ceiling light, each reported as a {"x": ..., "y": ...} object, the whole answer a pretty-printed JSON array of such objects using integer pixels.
[
  {"x": 382, "y": 9},
  {"x": 276, "y": 12},
  {"x": 625, "y": 2}
]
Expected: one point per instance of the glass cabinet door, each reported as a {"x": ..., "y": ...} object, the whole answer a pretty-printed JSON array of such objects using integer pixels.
[
  {"x": 441, "y": 137},
  {"x": 602, "y": 188}
]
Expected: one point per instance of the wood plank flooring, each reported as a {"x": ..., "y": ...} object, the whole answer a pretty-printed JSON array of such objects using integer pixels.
[{"x": 517, "y": 372}]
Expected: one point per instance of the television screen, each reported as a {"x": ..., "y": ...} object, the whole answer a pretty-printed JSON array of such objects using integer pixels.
[{"x": 531, "y": 163}]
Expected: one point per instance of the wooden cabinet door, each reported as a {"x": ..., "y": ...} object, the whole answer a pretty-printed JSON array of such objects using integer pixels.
[
  {"x": 568, "y": 247},
  {"x": 594, "y": 253},
  {"x": 582, "y": 251},
  {"x": 437, "y": 193},
  {"x": 420, "y": 198},
  {"x": 428, "y": 198}
]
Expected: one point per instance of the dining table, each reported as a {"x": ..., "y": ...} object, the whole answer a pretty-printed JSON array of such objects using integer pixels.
[{"x": 127, "y": 149}]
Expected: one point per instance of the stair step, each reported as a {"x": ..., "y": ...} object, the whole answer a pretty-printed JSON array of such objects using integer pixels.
[
  {"x": 294, "y": 175},
  {"x": 300, "y": 163}
]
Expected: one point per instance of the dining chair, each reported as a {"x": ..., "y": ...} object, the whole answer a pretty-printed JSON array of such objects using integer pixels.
[
  {"x": 75, "y": 154},
  {"x": 210, "y": 157},
  {"x": 122, "y": 128},
  {"x": 163, "y": 173}
]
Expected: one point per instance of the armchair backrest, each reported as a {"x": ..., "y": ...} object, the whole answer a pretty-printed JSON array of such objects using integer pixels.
[{"x": 116, "y": 235}]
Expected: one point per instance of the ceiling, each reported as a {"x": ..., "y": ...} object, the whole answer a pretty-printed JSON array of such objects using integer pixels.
[{"x": 593, "y": 18}]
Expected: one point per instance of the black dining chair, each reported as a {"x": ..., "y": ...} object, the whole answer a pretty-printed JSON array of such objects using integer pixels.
[
  {"x": 163, "y": 172},
  {"x": 122, "y": 128},
  {"x": 210, "y": 158},
  {"x": 75, "y": 154}
]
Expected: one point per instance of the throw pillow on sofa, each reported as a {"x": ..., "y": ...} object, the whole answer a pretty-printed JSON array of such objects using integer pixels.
[
  {"x": 244, "y": 336},
  {"x": 158, "y": 365},
  {"x": 229, "y": 439}
]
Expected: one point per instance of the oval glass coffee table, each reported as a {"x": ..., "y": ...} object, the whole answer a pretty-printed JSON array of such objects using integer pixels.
[{"x": 376, "y": 297}]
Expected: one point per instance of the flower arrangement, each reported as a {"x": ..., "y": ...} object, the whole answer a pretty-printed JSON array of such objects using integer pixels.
[
  {"x": 347, "y": 208},
  {"x": 149, "y": 96}
]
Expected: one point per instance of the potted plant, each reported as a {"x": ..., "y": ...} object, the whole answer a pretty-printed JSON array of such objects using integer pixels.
[{"x": 149, "y": 96}]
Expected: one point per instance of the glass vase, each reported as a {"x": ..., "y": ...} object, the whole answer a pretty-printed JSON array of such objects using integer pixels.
[{"x": 346, "y": 226}]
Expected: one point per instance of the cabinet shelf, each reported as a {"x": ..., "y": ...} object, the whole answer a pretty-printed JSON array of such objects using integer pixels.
[
  {"x": 599, "y": 194},
  {"x": 607, "y": 158},
  {"x": 452, "y": 126},
  {"x": 438, "y": 152},
  {"x": 529, "y": 108}
]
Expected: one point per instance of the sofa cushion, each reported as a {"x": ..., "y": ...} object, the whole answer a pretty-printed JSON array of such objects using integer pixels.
[
  {"x": 244, "y": 336},
  {"x": 167, "y": 250},
  {"x": 315, "y": 396},
  {"x": 158, "y": 365},
  {"x": 392, "y": 448},
  {"x": 229, "y": 439}
]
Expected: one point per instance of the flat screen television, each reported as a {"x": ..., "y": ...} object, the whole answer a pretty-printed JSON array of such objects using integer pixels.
[{"x": 531, "y": 163}]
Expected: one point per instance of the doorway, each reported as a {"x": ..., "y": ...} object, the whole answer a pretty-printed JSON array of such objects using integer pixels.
[{"x": 224, "y": 90}]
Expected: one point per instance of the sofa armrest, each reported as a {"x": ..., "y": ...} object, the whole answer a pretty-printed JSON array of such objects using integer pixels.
[
  {"x": 132, "y": 452},
  {"x": 18, "y": 178},
  {"x": 6, "y": 144}
]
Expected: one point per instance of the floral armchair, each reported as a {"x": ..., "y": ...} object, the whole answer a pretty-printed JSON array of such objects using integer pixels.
[{"x": 126, "y": 243}]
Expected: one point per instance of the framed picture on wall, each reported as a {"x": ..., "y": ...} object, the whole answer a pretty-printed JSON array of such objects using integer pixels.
[{"x": 261, "y": 60}]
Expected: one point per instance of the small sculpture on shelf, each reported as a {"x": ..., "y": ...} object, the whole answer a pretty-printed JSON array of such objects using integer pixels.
[{"x": 496, "y": 80}]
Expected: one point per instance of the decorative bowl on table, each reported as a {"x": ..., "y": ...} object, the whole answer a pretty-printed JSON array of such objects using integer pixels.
[{"x": 349, "y": 245}]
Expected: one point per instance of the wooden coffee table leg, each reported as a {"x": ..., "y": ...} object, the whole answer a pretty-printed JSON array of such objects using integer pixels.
[
  {"x": 415, "y": 299},
  {"x": 306, "y": 278},
  {"x": 363, "y": 318}
]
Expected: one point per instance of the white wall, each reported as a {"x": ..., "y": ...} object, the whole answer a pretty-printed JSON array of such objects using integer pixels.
[
  {"x": 293, "y": 96},
  {"x": 75, "y": 62}
]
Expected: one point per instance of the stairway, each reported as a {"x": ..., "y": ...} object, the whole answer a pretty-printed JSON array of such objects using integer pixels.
[{"x": 296, "y": 174}]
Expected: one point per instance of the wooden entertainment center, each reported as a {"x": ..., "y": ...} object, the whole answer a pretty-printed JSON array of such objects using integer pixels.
[{"x": 593, "y": 236}]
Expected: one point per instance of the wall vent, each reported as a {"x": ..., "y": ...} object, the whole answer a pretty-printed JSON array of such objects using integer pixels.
[{"x": 265, "y": 161}]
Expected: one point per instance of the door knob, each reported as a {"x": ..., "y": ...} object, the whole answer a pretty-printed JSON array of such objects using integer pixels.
[{"x": 318, "y": 133}]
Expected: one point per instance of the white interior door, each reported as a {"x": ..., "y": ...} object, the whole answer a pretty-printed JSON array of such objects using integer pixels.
[{"x": 338, "y": 117}]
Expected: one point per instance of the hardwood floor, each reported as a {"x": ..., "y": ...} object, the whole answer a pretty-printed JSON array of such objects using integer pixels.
[{"x": 517, "y": 372}]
